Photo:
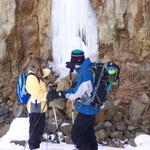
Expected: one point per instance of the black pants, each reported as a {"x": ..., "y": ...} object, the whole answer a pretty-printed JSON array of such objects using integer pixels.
[
  {"x": 82, "y": 134},
  {"x": 36, "y": 129}
]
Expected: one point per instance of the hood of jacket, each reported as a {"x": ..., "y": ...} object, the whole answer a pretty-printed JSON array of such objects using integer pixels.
[{"x": 86, "y": 64}]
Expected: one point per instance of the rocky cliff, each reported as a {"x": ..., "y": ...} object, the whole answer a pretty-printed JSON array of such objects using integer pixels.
[
  {"x": 125, "y": 26},
  {"x": 124, "y": 36}
]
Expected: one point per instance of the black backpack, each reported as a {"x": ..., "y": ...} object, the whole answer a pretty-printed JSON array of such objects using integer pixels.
[{"x": 105, "y": 75}]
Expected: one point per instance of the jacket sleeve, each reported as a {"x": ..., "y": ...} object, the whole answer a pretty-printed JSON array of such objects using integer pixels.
[{"x": 83, "y": 86}]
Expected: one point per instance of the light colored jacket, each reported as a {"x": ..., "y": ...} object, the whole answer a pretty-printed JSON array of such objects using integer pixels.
[{"x": 38, "y": 91}]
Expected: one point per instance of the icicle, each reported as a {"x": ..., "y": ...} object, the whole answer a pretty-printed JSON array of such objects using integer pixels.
[{"x": 74, "y": 27}]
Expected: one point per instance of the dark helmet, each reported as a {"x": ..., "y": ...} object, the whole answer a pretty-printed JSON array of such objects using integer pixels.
[{"x": 77, "y": 56}]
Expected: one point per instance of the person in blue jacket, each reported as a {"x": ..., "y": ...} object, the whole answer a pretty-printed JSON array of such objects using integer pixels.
[{"x": 82, "y": 134}]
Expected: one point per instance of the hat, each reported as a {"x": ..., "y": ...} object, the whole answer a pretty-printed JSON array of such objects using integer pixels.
[
  {"x": 46, "y": 72},
  {"x": 77, "y": 56}
]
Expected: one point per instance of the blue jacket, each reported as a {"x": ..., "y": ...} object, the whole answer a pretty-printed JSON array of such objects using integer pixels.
[{"x": 83, "y": 85}]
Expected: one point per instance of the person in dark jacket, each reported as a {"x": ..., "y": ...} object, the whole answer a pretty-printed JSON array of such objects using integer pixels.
[{"x": 82, "y": 134}]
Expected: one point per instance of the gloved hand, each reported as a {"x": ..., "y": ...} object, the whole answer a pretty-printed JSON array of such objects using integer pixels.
[
  {"x": 70, "y": 65},
  {"x": 51, "y": 94},
  {"x": 60, "y": 94}
]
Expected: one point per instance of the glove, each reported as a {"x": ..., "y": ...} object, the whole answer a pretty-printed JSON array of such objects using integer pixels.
[
  {"x": 51, "y": 94},
  {"x": 60, "y": 94},
  {"x": 70, "y": 65}
]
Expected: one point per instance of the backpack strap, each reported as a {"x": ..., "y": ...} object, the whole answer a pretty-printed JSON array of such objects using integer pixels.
[
  {"x": 99, "y": 80},
  {"x": 93, "y": 69},
  {"x": 31, "y": 73}
]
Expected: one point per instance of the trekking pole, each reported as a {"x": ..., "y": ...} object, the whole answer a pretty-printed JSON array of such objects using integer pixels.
[
  {"x": 19, "y": 110},
  {"x": 56, "y": 122},
  {"x": 72, "y": 105},
  {"x": 72, "y": 112},
  {"x": 47, "y": 131}
]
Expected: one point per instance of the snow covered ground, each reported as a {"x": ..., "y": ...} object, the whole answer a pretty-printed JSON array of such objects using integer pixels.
[{"x": 19, "y": 131}]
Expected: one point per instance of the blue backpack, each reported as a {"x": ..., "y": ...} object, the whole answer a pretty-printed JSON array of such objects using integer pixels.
[{"x": 22, "y": 95}]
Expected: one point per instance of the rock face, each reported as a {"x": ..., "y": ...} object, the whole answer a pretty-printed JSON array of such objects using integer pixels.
[
  {"x": 124, "y": 25},
  {"x": 7, "y": 21},
  {"x": 124, "y": 37},
  {"x": 24, "y": 32},
  {"x": 29, "y": 36}
]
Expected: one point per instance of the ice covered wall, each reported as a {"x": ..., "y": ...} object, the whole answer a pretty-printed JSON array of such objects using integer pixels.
[{"x": 74, "y": 26}]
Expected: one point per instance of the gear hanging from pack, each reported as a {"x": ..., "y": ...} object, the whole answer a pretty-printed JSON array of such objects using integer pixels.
[{"x": 104, "y": 77}]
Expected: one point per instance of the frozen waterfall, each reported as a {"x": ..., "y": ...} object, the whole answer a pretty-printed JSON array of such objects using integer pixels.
[{"x": 73, "y": 27}]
